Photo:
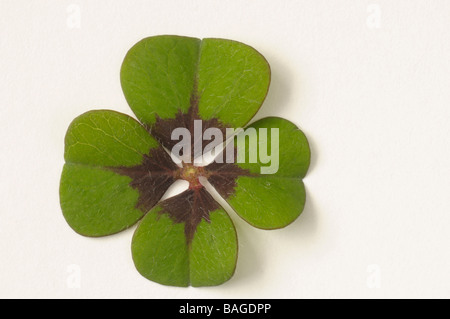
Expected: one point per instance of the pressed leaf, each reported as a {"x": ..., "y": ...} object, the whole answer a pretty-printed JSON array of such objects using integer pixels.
[
  {"x": 186, "y": 240},
  {"x": 105, "y": 185},
  {"x": 266, "y": 200},
  {"x": 116, "y": 172}
]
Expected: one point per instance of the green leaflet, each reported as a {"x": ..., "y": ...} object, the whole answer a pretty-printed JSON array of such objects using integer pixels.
[
  {"x": 293, "y": 148},
  {"x": 95, "y": 200},
  {"x": 162, "y": 254},
  {"x": 158, "y": 74},
  {"x": 106, "y": 138},
  {"x": 268, "y": 202},
  {"x": 160, "y": 250},
  {"x": 272, "y": 201},
  {"x": 162, "y": 75},
  {"x": 214, "y": 250},
  {"x": 233, "y": 80}
]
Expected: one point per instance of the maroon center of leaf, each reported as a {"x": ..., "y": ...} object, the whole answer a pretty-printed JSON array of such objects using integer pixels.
[
  {"x": 157, "y": 172},
  {"x": 192, "y": 174}
]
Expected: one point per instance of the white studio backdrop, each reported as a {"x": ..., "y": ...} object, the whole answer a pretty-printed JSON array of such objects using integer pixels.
[{"x": 367, "y": 81}]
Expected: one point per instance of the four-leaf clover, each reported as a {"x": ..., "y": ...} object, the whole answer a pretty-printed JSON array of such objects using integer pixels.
[{"x": 117, "y": 169}]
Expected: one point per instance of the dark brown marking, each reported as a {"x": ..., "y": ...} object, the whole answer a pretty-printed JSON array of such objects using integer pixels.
[
  {"x": 190, "y": 207},
  {"x": 157, "y": 172},
  {"x": 162, "y": 129},
  {"x": 152, "y": 178},
  {"x": 223, "y": 176}
]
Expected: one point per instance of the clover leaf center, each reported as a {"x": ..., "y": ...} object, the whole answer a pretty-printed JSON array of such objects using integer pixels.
[{"x": 191, "y": 173}]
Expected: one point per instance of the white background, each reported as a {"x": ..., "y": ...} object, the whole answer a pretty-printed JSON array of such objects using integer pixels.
[{"x": 367, "y": 81}]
